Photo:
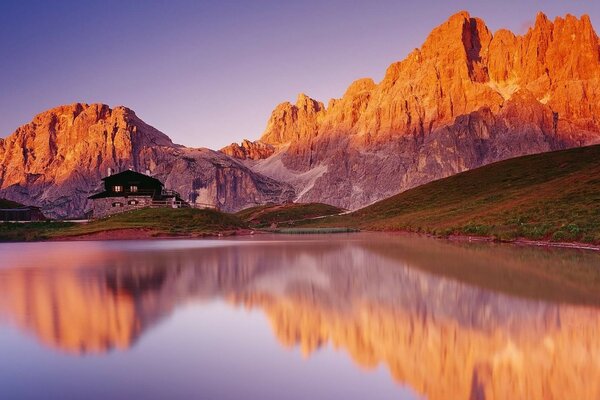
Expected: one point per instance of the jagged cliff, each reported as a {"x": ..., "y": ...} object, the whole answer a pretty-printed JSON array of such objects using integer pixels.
[
  {"x": 57, "y": 160},
  {"x": 466, "y": 98},
  {"x": 248, "y": 150}
]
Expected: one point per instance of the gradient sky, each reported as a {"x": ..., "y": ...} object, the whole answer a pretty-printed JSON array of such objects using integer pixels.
[{"x": 208, "y": 73}]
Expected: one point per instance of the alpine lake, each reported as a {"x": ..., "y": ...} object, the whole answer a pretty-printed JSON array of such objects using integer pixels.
[{"x": 339, "y": 316}]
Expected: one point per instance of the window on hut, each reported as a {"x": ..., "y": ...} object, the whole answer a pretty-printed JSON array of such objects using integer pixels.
[
  {"x": 118, "y": 188},
  {"x": 132, "y": 202},
  {"x": 133, "y": 189},
  {"x": 117, "y": 204}
]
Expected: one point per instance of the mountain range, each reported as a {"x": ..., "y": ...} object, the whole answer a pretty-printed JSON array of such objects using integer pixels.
[
  {"x": 467, "y": 97},
  {"x": 57, "y": 160}
]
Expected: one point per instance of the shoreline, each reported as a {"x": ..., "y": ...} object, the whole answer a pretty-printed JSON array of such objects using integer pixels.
[
  {"x": 143, "y": 234},
  {"x": 524, "y": 242},
  {"x": 148, "y": 234},
  {"x": 491, "y": 239}
]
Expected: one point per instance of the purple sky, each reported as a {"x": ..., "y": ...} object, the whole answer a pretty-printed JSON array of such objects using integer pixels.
[{"x": 208, "y": 73}]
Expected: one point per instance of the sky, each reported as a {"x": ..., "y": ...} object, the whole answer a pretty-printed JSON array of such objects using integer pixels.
[{"x": 209, "y": 73}]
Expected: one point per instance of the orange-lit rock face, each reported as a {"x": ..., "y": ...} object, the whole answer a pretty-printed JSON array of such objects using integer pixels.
[
  {"x": 467, "y": 97},
  {"x": 460, "y": 68},
  {"x": 248, "y": 150},
  {"x": 75, "y": 137},
  {"x": 291, "y": 122},
  {"x": 57, "y": 160},
  {"x": 449, "y": 320}
]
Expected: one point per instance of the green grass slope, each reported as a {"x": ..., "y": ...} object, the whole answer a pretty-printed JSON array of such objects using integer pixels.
[
  {"x": 285, "y": 214},
  {"x": 551, "y": 196},
  {"x": 155, "y": 221}
]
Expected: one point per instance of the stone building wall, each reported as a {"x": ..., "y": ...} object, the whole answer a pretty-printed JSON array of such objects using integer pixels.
[{"x": 109, "y": 205}]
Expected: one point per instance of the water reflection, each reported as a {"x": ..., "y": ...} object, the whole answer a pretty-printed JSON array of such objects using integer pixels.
[{"x": 452, "y": 320}]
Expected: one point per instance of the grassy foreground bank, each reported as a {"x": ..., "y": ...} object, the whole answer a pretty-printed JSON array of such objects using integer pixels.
[
  {"x": 148, "y": 222},
  {"x": 285, "y": 215},
  {"x": 551, "y": 196},
  {"x": 168, "y": 222}
]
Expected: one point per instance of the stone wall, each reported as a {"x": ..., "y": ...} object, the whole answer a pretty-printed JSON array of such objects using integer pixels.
[{"x": 108, "y": 206}]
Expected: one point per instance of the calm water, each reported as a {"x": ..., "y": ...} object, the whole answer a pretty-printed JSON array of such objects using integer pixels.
[{"x": 363, "y": 316}]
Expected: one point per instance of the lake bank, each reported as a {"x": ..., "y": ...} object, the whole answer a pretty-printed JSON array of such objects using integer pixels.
[
  {"x": 145, "y": 234},
  {"x": 297, "y": 219}
]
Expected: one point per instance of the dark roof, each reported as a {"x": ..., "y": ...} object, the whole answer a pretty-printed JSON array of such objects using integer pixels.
[
  {"x": 132, "y": 175},
  {"x": 146, "y": 185}
]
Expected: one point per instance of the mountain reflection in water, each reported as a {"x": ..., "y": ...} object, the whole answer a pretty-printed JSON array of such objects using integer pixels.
[{"x": 451, "y": 320}]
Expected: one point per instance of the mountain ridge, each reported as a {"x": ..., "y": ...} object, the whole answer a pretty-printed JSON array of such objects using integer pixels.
[
  {"x": 57, "y": 160},
  {"x": 465, "y": 98}
]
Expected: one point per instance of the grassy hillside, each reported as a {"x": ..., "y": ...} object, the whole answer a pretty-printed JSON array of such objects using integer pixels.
[
  {"x": 550, "y": 196},
  {"x": 285, "y": 214},
  {"x": 186, "y": 222},
  {"x": 154, "y": 221}
]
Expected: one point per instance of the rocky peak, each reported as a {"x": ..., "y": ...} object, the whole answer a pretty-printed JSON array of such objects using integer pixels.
[
  {"x": 463, "y": 41},
  {"x": 290, "y": 122},
  {"x": 248, "y": 150},
  {"x": 542, "y": 23},
  {"x": 564, "y": 49},
  {"x": 303, "y": 102},
  {"x": 360, "y": 86}
]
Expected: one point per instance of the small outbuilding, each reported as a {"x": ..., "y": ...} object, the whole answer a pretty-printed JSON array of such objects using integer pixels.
[
  {"x": 129, "y": 190},
  {"x": 11, "y": 211}
]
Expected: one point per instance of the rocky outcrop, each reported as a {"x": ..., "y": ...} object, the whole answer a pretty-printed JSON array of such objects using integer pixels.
[
  {"x": 248, "y": 150},
  {"x": 56, "y": 161},
  {"x": 294, "y": 122},
  {"x": 466, "y": 98}
]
